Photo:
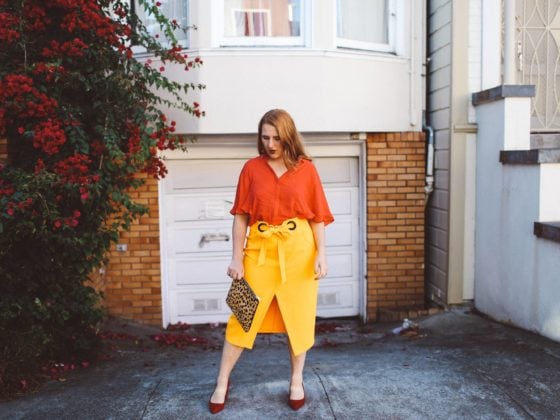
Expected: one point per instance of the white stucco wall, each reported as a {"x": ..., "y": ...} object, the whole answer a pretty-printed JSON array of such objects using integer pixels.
[
  {"x": 323, "y": 92},
  {"x": 516, "y": 273},
  {"x": 546, "y": 306}
]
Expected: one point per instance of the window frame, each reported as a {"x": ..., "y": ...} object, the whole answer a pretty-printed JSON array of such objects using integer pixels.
[
  {"x": 393, "y": 13},
  {"x": 184, "y": 44},
  {"x": 262, "y": 41}
]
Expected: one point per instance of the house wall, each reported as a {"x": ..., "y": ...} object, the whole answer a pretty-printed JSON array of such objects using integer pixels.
[
  {"x": 326, "y": 88},
  {"x": 439, "y": 109},
  {"x": 395, "y": 237},
  {"x": 131, "y": 280},
  {"x": 324, "y": 91},
  {"x": 516, "y": 272},
  {"x": 395, "y": 222},
  {"x": 455, "y": 63}
]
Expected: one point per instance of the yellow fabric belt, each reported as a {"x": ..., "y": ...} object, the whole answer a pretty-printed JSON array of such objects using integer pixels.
[{"x": 265, "y": 231}]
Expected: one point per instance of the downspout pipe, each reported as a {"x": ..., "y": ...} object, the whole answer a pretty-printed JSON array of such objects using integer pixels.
[{"x": 429, "y": 187}]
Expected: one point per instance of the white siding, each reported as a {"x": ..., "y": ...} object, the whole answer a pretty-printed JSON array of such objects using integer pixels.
[{"x": 439, "y": 106}]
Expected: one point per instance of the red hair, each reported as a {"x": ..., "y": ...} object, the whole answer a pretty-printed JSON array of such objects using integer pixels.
[{"x": 289, "y": 136}]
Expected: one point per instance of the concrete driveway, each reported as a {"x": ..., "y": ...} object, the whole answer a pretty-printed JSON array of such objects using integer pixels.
[{"x": 455, "y": 365}]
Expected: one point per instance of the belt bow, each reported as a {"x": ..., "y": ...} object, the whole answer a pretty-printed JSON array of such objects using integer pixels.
[{"x": 283, "y": 230}]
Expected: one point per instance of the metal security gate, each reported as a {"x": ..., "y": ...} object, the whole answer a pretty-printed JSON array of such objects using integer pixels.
[{"x": 538, "y": 53}]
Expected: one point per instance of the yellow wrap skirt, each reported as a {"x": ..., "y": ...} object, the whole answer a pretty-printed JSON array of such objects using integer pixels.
[{"x": 279, "y": 265}]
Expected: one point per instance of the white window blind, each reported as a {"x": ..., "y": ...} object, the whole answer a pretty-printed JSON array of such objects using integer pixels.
[
  {"x": 262, "y": 22},
  {"x": 364, "y": 24}
]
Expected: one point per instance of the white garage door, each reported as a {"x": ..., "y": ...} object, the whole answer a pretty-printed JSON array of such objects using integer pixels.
[{"x": 196, "y": 231}]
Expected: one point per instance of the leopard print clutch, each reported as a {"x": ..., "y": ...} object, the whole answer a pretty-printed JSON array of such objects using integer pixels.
[{"x": 243, "y": 302}]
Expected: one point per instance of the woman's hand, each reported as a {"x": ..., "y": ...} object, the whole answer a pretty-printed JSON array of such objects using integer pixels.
[
  {"x": 235, "y": 269},
  {"x": 239, "y": 232},
  {"x": 320, "y": 266},
  {"x": 321, "y": 259}
]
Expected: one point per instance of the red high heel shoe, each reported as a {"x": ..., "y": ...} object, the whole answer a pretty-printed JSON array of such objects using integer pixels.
[
  {"x": 297, "y": 404},
  {"x": 217, "y": 407}
]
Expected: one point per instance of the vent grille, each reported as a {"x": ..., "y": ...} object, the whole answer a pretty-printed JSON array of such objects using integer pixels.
[{"x": 206, "y": 305}]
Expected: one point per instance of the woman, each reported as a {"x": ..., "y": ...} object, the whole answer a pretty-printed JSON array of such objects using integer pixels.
[{"x": 280, "y": 198}]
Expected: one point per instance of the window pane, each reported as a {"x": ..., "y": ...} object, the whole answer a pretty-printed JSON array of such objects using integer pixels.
[
  {"x": 265, "y": 18},
  {"x": 363, "y": 20},
  {"x": 173, "y": 10}
]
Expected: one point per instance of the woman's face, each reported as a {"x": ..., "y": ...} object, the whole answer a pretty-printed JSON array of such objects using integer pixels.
[{"x": 271, "y": 142}]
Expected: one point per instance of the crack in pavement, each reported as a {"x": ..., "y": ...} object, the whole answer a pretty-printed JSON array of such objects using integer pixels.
[
  {"x": 150, "y": 398},
  {"x": 325, "y": 391},
  {"x": 503, "y": 390}
]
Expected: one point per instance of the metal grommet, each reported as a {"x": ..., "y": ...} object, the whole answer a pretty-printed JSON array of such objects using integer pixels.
[
  {"x": 259, "y": 226},
  {"x": 293, "y": 224}
]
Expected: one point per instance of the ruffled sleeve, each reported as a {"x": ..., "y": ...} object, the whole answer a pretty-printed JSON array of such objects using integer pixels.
[
  {"x": 316, "y": 199},
  {"x": 241, "y": 204}
]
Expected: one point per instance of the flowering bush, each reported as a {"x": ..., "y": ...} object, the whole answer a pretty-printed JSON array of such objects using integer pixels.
[{"x": 81, "y": 115}]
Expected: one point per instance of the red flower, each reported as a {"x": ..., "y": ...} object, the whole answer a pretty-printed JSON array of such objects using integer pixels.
[
  {"x": 49, "y": 136},
  {"x": 158, "y": 3}
]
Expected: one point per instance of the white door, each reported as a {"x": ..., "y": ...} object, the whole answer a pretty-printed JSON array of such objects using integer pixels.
[{"x": 197, "y": 195}]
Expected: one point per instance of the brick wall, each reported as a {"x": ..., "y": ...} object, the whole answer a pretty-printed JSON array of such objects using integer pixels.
[
  {"x": 132, "y": 279},
  {"x": 395, "y": 235},
  {"x": 395, "y": 231},
  {"x": 3, "y": 150}
]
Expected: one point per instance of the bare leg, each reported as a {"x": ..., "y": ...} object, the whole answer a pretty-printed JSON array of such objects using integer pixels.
[
  {"x": 296, "y": 380},
  {"x": 230, "y": 356}
]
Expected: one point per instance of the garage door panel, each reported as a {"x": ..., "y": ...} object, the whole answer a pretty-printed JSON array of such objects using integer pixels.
[
  {"x": 200, "y": 305},
  {"x": 193, "y": 207},
  {"x": 340, "y": 201},
  {"x": 337, "y": 172},
  {"x": 197, "y": 271},
  {"x": 202, "y": 174},
  {"x": 341, "y": 233},
  {"x": 341, "y": 264},
  {"x": 190, "y": 238},
  {"x": 337, "y": 298}
]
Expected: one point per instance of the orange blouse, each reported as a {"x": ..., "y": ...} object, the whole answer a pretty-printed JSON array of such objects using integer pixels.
[{"x": 265, "y": 197}]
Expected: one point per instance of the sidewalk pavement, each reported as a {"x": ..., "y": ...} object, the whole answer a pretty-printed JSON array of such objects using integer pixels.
[{"x": 455, "y": 365}]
